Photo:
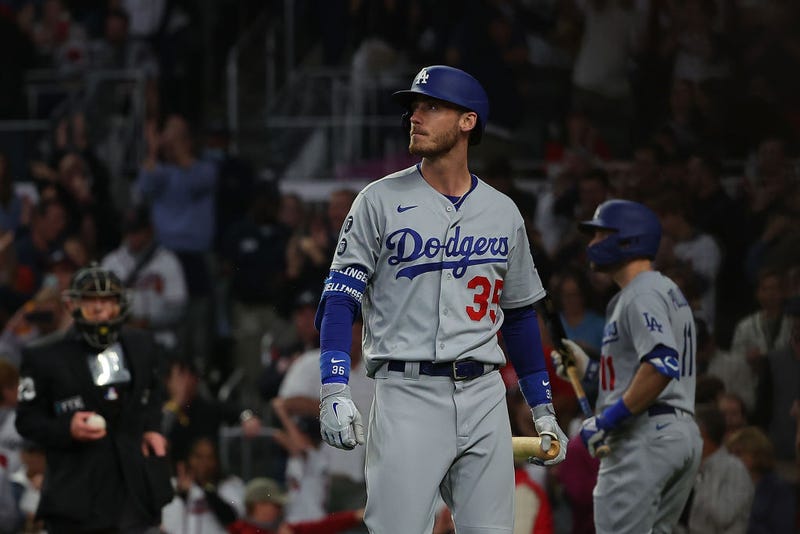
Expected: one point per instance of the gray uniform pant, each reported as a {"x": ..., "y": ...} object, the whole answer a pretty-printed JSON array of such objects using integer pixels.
[
  {"x": 643, "y": 484},
  {"x": 432, "y": 434}
]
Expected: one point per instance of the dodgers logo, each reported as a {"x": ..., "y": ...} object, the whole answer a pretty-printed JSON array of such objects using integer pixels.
[
  {"x": 610, "y": 332},
  {"x": 422, "y": 77},
  {"x": 461, "y": 252}
]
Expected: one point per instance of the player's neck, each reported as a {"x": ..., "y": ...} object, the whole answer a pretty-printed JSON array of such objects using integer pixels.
[
  {"x": 449, "y": 177},
  {"x": 631, "y": 270}
]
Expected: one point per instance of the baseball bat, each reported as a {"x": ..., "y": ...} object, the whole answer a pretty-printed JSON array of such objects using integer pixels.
[
  {"x": 553, "y": 323},
  {"x": 526, "y": 447},
  {"x": 557, "y": 333}
]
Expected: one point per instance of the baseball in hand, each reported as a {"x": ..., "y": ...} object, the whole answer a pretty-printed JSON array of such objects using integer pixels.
[{"x": 96, "y": 421}]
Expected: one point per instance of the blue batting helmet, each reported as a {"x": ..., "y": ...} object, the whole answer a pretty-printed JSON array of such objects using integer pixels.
[
  {"x": 450, "y": 85},
  {"x": 636, "y": 232}
]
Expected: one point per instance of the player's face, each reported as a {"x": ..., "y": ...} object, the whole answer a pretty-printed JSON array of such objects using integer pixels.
[
  {"x": 435, "y": 128},
  {"x": 98, "y": 309}
]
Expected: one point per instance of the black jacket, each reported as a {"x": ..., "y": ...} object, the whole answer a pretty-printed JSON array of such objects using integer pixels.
[{"x": 86, "y": 483}]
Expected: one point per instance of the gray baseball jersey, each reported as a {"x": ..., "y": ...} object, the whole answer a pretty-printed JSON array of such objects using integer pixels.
[
  {"x": 644, "y": 482},
  {"x": 438, "y": 275},
  {"x": 649, "y": 311}
]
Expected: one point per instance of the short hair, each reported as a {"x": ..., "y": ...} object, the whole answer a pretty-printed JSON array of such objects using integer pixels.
[
  {"x": 710, "y": 418},
  {"x": 752, "y": 440},
  {"x": 708, "y": 389}
]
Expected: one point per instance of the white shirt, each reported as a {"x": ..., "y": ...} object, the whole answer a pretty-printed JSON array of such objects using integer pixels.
[
  {"x": 193, "y": 515},
  {"x": 307, "y": 481},
  {"x": 159, "y": 292}
]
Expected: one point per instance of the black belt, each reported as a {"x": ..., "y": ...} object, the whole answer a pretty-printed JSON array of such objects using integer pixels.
[
  {"x": 457, "y": 370},
  {"x": 662, "y": 409}
]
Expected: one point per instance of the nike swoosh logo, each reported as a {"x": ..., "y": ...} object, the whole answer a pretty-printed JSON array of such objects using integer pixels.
[
  {"x": 335, "y": 404},
  {"x": 401, "y": 209},
  {"x": 545, "y": 383},
  {"x": 336, "y": 361},
  {"x": 662, "y": 426}
]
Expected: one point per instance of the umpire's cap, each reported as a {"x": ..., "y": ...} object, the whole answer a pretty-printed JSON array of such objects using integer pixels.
[{"x": 450, "y": 85}]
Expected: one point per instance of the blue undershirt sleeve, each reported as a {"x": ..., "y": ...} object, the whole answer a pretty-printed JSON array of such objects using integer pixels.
[{"x": 523, "y": 340}]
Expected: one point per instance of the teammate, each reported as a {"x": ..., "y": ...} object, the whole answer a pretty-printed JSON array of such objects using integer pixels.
[
  {"x": 647, "y": 379},
  {"x": 438, "y": 262},
  {"x": 98, "y": 478}
]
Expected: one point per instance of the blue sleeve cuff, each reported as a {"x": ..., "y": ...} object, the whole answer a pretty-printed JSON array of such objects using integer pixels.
[
  {"x": 334, "y": 366},
  {"x": 523, "y": 341},
  {"x": 613, "y": 416},
  {"x": 536, "y": 388}
]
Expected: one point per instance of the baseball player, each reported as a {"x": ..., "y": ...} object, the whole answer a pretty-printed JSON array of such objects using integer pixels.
[
  {"x": 647, "y": 374},
  {"x": 438, "y": 262}
]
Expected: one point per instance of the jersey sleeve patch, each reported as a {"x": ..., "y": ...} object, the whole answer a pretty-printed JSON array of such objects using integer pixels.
[
  {"x": 665, "y": 360},
  {"x": 351, "y": 281}
]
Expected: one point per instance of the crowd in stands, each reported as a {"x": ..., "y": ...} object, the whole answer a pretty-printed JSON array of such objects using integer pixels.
[{"x": 646, "y": 100}]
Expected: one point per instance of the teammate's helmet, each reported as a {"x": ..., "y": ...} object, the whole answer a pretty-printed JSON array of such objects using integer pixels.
[
  {"x": 637, "y": 232},
  {"x": 451, "y": 85},
  {"x": 90, "y": 282}
]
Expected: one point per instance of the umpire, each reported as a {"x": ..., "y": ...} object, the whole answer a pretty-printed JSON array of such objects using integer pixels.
[{"x": 90, "y": 397}]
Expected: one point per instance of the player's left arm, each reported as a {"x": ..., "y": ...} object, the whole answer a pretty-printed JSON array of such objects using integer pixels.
[{"x": 523, "y": 340}]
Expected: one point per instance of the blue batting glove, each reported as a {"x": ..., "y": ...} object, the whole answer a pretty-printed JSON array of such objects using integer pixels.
[{"x": 592, "y": 436}]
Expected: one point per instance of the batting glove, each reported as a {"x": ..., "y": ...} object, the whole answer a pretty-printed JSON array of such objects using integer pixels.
[
  {"x": 578, "y": 356},
  {"x": 339, "y": 420},
  {"x": 593, "y": 437},
  {"x": 544, "y": 418}
]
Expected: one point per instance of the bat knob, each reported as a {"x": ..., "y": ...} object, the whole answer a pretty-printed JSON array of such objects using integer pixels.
[{"x": 550, "y": 444}]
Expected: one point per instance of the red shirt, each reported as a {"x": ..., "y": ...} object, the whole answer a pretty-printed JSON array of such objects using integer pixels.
[{"x": 331, "y": 524}]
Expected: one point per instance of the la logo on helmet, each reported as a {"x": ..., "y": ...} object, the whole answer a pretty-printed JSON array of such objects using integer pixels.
[{"x": 422, "y": 77}]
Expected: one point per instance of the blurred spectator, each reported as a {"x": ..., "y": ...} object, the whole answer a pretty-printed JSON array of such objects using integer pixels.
[
  {"x": 9, "y": 514},
  {"x": 573, "y": 297},
  {"x": 709, "y": 390},
  {"x": 33, "y": 249},
  {"x": 694, "y": 248},
  {"x": 167, "y": 27},
  {"x": 579, "y": 133},
  {"x": 300, "y": 391},
  {"x": 60, "y": 42},
  {"x": 499, "y": 174},
  {"x": 766, "y": 329},
  {"x": 308, "y": 256},
  {"x": 593, "y": 188},
  {"x": 180, "y": 191},
  {"x": 779, "y": 388},
  {"x": 307, "y": 467},
  {"x": 723, "y": 491},
  {"x": 716, "y": 213},
  {"x": 732, "y": 371},
  {"x": 700, "y": 52},
  {"x": 27, "y": 485},
  {"x": 10, "y": 440},
  {"x": 733, "y": 409},
  {"x": 206, "y": 500},
  {"x": 680, "y": 131},
  {"x": 253, "y": 258},
  {"x": 191, "y": 414},
  {"x": 297, "y": 340},
  {"x": 265, "y": 500},
  {"x": 775, "y": 500},
  {"x": 577, "y": 476},
  {"x": 14, "y": 208},
  {"x": 611, "y": 37},
  {"x": 116, "y": 50},
  {"x": 489, "y": 42},
  {"x": 293, "y": 213},
  {"x": 154, "y": 276}
]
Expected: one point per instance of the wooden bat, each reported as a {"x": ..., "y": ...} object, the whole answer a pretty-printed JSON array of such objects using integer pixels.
[
  {"x": 553, "y": 323},
  {"x": 526, "y": 447},
  {"x": 557, "y": 333}
]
